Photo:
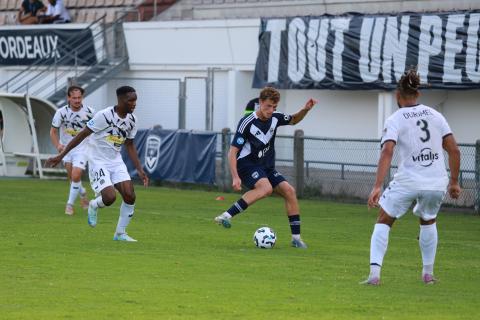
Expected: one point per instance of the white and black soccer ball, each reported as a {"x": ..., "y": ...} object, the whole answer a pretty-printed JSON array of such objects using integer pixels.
[{"x": 264, "y": 238}]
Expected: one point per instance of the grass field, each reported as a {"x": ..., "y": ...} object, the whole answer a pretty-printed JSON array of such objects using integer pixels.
[{"x": 53, "y": 266}]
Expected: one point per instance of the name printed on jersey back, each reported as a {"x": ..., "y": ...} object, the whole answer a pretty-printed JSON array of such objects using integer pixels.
[{"x": 414, "y": 114}]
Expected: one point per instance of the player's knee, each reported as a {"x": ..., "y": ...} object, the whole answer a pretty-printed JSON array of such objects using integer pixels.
[
  {"x": 290, "y": 192},
  {"x": 266, "y": 190},
  {"x": 109, "y": 199},
  {"x": 129, "y": 198},
  {"x": 76, "y": 176}
]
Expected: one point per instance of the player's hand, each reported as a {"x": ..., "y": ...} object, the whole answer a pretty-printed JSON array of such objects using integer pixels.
[
  {"x": 144, "y": 177},
  {"x": 237, "y": 184},
  {"x": 60, "y": 147},
  {"x": 53, "y": 161},
  {"x": 310, "y": 103},
  {"x": 454, "y": 190},
  {"x": 374, "y": 197}
]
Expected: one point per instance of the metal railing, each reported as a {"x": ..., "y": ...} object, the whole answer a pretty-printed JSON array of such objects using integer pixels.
[{"x": 49, "y": 79}]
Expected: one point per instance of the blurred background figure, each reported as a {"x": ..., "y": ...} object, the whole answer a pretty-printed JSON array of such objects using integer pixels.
[{"x": 27, "y": 14}]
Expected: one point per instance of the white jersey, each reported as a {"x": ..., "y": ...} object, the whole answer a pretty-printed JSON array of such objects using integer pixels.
[
  {"x": 109, "y": 133},
  {"x": 70, "y": 122},
  {"x": 418, "y": 132}
]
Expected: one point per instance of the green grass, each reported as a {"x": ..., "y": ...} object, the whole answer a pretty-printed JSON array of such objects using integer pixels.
[{"x": 53, "y": 266}]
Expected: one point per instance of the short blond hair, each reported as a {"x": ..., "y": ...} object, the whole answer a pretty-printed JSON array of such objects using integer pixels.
[{"x": 270, "y": 93}]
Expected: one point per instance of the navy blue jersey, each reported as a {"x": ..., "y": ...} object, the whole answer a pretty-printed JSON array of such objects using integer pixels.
[{"x": 256, "y": 138}]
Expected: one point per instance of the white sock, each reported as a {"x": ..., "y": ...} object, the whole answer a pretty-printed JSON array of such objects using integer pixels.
[
  {"x": 74, "y": 190},
  {"x": 295, "y": 237},
  {"x": 97, "y": 202},
  {"x": 428, "y": 246},
  {"x": 378, "y": 248},
  {"x": 226, "y": 215},
  {"x": 82, "y": 190},
  {"x": 126, "y": 214}
]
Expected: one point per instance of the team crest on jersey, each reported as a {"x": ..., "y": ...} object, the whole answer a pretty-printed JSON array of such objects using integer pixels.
[{"x": 152, "y": 152}]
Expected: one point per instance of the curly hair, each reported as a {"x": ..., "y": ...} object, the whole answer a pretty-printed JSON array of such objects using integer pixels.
[
  {"x": 409, "y": 83},
  {"x": 270, "y": 93}
]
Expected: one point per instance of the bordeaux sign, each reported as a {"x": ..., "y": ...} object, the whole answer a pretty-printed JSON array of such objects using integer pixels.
[
  {"x": 356, "y": 51},
  {"x": 47, "y": 46}
]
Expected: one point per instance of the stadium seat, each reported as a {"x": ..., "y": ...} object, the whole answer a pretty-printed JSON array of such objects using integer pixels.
[
  {"x": 109, "y": 3},
  {"x": 81, "y": 3},
  {"x": 90, "y": 3},
  {"x": 111, "y": 15},
  {"x": 3, "y": 18},
  {"x": 81, "y": 16},
  {"x": 11, "y": 4},
  {"x": 70, "y": 3}
]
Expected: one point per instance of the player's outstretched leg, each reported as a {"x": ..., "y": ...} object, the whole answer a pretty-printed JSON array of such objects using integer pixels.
[
  {"x": 297, "y": 241},
  {"x": 224, "y": 219},
  {"x": 126, "y": 214}
]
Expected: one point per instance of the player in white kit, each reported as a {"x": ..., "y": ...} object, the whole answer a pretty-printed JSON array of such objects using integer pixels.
[
  {"x": 420, "y": 135},
  {"x": 70, "y": 120},
  {"x": 111, "y": 127}
]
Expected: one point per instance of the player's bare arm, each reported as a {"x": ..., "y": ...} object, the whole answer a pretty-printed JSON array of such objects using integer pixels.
[
  {"x": 450, "y": 145},
  {"x": 132, "y": 153},
  {"x": 383, "y": 167},
  {"x": 297, "y": 117},
  {"x": 55, "y": 139},
  {"x": 232, "y": 161},
  {"x": 53, "y": 161}
]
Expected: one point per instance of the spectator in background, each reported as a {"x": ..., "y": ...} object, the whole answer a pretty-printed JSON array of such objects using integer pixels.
[
  {"x": 55, "y": 13},
  {"x": 27, "y": 14}
]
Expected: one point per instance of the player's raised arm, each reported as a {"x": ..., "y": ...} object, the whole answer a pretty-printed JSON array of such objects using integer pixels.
[
  {"x": 53, "y": 161},
  {"x": 297, "y": 117},
  {"x": 133, "y": 154}
]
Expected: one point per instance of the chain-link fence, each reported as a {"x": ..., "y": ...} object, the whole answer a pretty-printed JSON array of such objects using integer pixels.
[{"x": 345, "y": 169}]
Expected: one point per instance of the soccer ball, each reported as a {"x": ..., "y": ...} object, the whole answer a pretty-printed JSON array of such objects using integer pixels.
[{"x": 264, "y": 238}]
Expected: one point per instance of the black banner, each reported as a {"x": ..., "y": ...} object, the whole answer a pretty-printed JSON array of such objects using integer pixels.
[
  {"x": 175, "y": 155},
  {"x": 47, "y": 46},
  {"x": 355, "y": 51}
]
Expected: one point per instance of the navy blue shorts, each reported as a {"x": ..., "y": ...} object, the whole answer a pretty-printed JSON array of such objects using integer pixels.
[{"x": 251, "y": 175}]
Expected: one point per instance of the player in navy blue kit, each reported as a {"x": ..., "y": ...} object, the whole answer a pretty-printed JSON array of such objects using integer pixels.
[{"x": 252, "y": 160}]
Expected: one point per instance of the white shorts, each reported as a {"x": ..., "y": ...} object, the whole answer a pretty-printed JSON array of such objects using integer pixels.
[
  {"x": 103, "y": 175},
  {"x": 77, "y": 157},
  {"x": 397, "y": 199}
]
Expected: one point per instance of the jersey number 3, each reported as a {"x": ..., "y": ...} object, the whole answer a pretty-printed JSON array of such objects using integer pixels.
[{"x": 424, "y": 127}]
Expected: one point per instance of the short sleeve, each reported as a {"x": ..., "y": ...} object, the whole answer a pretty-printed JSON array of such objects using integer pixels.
[
  {"x": 240, "y": 136},
  {"x": 444, "y": 127},
  {"x": 57, "y": 120},
  {"x": 133, "y": 132},
  {"x": 283, "y": 119},
  {"x": 98, "y": 122},
  {"x": 390, "y": 132}
]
